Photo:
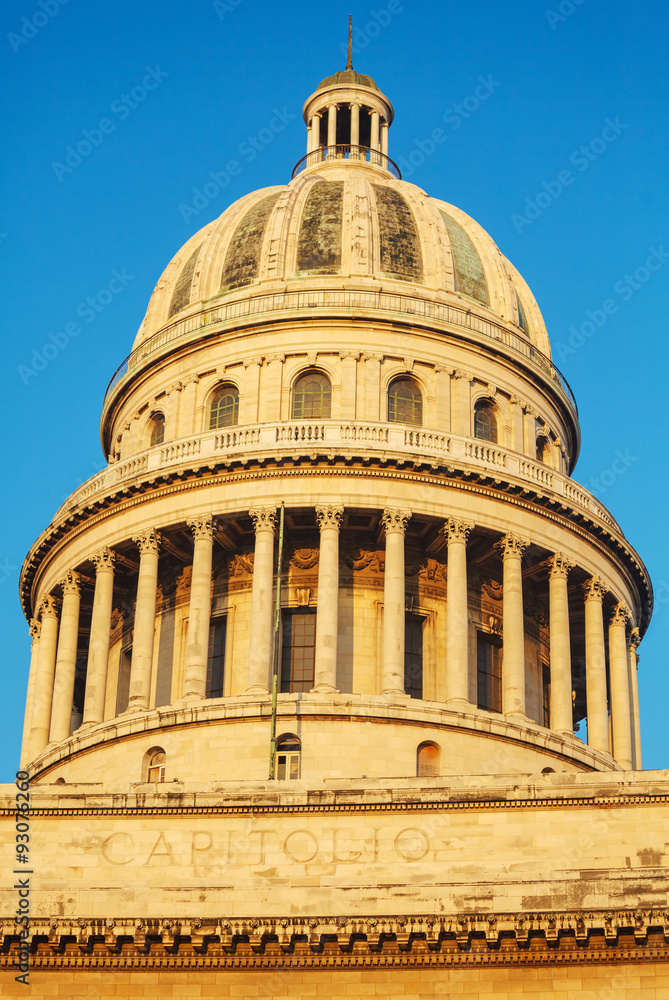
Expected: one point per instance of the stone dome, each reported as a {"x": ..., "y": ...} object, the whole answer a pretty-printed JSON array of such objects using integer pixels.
[
  {"x": 348, "y": 226},
  {"x": 347, "y": 76}
]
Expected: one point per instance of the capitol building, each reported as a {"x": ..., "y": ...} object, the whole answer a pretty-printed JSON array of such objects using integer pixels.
[{"x": 333, "y": 679}]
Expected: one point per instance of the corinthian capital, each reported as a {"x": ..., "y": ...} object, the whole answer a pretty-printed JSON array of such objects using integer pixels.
[
  {"x": 147, "y": 541},
  {"x": 204, "y": 526},
  {"x": 634, "y": 638},
  {"x": 394, "y": 519},
  {"x": 559, "y": 566},
  {"x": 621, "y": 614},
  {"x": 71, "y": 583},
  {"x": 264, "y": 518},
  {"x": 329, "y": 517},
  {"x": 457, "y": 531},
  {"x": 49, "y": 607},
  {"x": 511, "y": 545},
  {"x": 36, "y": 626},
  {"x": 594, "y": 589},
  {"x": 104, "y": 560}
]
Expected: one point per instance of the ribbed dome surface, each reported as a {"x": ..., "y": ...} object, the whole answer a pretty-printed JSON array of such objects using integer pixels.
[
  {"x": 344, "y": 225},
  {"x": 347, "y": 76}
]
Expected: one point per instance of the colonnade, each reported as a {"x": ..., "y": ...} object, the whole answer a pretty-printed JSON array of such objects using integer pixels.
[
  {"x": 54, "y": 650},
  {"x": 378, "y": 128}
]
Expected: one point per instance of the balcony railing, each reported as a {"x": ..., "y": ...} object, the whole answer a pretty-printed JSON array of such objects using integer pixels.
[
  {"x": 337, "y": 437},
  {"x": 355, "y": 153},
  {"x": 354, "y": 302}
]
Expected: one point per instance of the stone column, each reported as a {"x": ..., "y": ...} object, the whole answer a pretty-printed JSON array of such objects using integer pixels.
[
  {"x": 443, "y": 393},
  {"x": 457, "y": 617},
  {"x": 513, "y": 653},
  {"x": 260, "y": 639},
  {"x": 46, "y": 665},
  {"x": 248, "y": 403},
  {"x": 373, "y": 386},
  {"x": 462, "y": 415},
  {"x": 355, "y": 124},
  {"x": 66, "y": 659},
  {"x": 187, "y": 407},
  {"x": 270, "y": 401},
  {"x": 384, "y": 138},
  {"x": 562, "y": 719},
  {"x": 633, "y": 643},
  {"x": 620, "y": 687},
  {"x": 530, "y": 431},
  {"x": 374, "y": 140},
  {"x": 98, "y": 645},
  {"x": 332, "y": 125},
  {"x": 148, "y": 543},
  {"x": 32, "y": 674},
  {"x": 199, "y": 612},
  {"x": 349, "y": 370},
  {"x": 315, "y": 133},
  {"x": 394, "y": 587},
  {"x": 595, "y": 665},
  {"x": 329, "y": 522}
]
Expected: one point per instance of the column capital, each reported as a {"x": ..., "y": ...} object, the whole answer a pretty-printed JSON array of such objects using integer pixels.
[
  {"x": 620, "y": 614},
  {"x": 439, "y": 369},
  {"x": 329, "y": 517},
  {"x": 458, "y": 373},
  {"x": 36, "y": 626},
  {"x": 457, "y": 531},
  {"x": 395, "y": 520},
  {"x": 175, "y": 387},
  {"x": 559, "y": 566},
  {"x": 104, "y": 560},
  {"x": 204, "y": 526},
  {"x": 511, "y": 545},
  {"x": 71, "y": 583},
  {"x": 515, "y": 400},
  {"x": 594, "y": 588},
  {"x": 634, "y": 638},
  {"x": 373, "y": 357},
  {"x": 147, "y": 541},
  {"x": 343, "y": 355},
  {"x": 191, "y": 379},
  {"x": 275, "y": 357},
  {"x": 49, "y": 607},
  {"x": 247, "y": 362},
  {"x": 263, "y": 518}
]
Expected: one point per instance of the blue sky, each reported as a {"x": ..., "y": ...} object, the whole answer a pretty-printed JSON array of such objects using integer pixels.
[{"x": 574, "y": 112}]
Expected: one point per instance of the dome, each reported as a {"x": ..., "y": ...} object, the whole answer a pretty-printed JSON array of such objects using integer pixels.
[
  {"x": 347, "y": 77},
  {"x": 342, "y": 225}
]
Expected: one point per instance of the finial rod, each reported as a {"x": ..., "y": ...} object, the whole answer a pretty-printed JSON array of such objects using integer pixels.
[{"x": 349, "y": 61}]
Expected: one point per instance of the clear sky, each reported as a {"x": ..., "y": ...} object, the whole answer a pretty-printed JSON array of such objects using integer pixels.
[{"x": 563, "y": 100}]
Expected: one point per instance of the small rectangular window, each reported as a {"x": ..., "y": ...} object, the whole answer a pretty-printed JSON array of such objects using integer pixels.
[
  {"x": 489, "y": 672},
  {"x": 123, "y": 685},
  {"x": 216, "y": 659},
  {"x": 298, "y": 650},
  {"x": 413, "y": 655},
  {"x": 546, "y": 695}
]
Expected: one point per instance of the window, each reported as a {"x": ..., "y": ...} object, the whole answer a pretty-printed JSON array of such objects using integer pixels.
[
  {"x": 543, "y": 450},
  {"x": 489, "y": 673},
  {"x": 123, "y": 686},
  {"x": 157, "y": 429},
  {"x": 216, "y": 659},
  {"x": 428, "y": 760},
  {"x": 288, "y": 752},
  {"x": 413, "y": 655},
  {"x": 297, "y": 654},
  {"x": 156, "y": 770},
  {"x": 485, "y": 423},
  {"x": 405, "y": 403},
  {"x": 224, "y": 409},
  {"x": 546, "y": 695},
  {"x": 312, "y": 397}
]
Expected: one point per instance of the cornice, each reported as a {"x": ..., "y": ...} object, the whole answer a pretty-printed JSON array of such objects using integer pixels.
[{"x": 289, "y": 943}]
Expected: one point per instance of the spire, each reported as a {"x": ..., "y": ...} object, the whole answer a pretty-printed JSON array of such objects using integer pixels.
[{"x": 349, "y": 61}]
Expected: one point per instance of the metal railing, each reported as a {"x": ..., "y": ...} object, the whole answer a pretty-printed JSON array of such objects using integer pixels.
[{"x": 358, "y": 153}]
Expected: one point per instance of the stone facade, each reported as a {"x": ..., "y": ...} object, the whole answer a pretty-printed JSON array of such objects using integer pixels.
[{"x": 356, "y": 362}]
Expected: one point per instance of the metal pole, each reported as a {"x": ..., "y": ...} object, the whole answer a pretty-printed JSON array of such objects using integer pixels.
[{"x": 277, "y": 650}]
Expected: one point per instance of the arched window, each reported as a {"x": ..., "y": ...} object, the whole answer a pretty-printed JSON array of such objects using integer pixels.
[
  {"x": 288, "y": 752},
  {"x": 224, "y": 409},
  {"x": 428, "y": 760},
  {"x": 405, "y": 403},
  {"x": 156, "y": 770},
  {"x": 543, "y": 450},
  {"x": 485, "y": 422},
  {"x": 312, "y": 397},
  {"x": 157, "y": 429}
]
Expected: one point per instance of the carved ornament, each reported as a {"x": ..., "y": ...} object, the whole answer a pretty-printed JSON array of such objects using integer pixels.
[
  {"x": 264, "y": 518},
  {"x": 457, "y": 531},
  {"x": 511, "y": 545},
  {"x": 204, "y": 526},
  {"x": 147, "y": 541},
  {"x": 594, "y": 588},
  {"x": 329, "y": 517},
  {"x": 104, "y": 560},
  {"x": 71, "y": 583},
  {"x": 559, "y": 566},
  {"x": 395, "y": 520},
  {"x": 304, "y": 558}
]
